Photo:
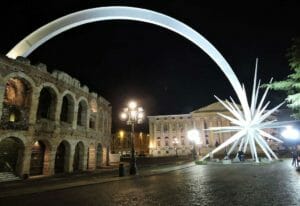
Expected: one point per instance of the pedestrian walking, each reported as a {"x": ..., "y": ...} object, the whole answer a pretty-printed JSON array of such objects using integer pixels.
[
  {"x": 298, "y": 160},
  {"x": 294, "y": 156}
]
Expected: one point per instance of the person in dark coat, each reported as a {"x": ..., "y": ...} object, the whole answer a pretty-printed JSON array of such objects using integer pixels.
[
  {"x": 241, "y": 156},
  {"x": 294, "y": 156}
]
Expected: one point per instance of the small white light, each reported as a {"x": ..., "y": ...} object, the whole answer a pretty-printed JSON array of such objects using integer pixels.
[
  {"x": 290, "y": 133},
  {"x": 140, "y": 115},
  {"x": 123, "y": 115},
  {"x": 140, "y": 109},
  {"x": 133, "y": 114},
  {"x": 132, "y": 105}
]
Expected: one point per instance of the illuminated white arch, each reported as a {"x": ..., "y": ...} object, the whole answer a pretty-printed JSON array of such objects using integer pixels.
[{"x": 46, "y": 32}]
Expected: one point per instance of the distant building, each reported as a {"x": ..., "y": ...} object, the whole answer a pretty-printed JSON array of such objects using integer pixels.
[
  {"x": 168, "y": 133},
  {"x": 50, "y": 123},
  {"x": 121, "y": 143}
]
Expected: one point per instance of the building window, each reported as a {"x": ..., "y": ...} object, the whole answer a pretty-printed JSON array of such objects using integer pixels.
[
  {"x": 174, "y": 127},
  {"x": 158, "y": 143},
  {"x": 157, "y": 127},
  {"x": 181, "y": 128},
  {"x": 167, "y": 152},
  {"x": 158, "y": 152},
  {"x": 182, "y": 142},
  {"x": 206, "y": 139},
  {"x": 167, "y": 143},
  {"x": 166, "y": 128}
]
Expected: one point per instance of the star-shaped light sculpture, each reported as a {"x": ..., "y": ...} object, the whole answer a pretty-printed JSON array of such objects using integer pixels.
[{"x": 248, "y": 123}]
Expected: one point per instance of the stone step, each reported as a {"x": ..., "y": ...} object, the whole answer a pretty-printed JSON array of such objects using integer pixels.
[{"x": 8, "y": 176}]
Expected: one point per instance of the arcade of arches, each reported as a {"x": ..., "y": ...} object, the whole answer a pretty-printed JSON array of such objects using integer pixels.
[{"x": 49, "y": 122}]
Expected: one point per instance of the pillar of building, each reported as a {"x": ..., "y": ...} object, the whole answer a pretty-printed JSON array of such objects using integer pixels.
[
  {"x": 2, "y": 93},
  {"x": 85, "y": 157},
  {"x": 24, "y": 167},
  {"x": 92, "y": 157},
  {"x": 74, "y": 122},
  {"x": 34, "y": 106},
  {"x": 49, "y": 162},
  {"x": 58, "y": 110}
]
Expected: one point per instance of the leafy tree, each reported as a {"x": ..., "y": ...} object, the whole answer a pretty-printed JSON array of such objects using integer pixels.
[{"x": 291, "y": 85}]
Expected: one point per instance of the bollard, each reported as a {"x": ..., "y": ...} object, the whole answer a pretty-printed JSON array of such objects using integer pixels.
[{"x": 121, "y": 170}]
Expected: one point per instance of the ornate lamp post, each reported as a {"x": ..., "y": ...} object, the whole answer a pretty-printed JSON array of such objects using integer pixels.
[
  {"x": 132, "y": 115},
  {"x": 193, "y": 135}
]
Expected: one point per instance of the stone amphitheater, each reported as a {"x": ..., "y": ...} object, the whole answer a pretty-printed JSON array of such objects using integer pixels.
[{"x": 50, "y": 123}]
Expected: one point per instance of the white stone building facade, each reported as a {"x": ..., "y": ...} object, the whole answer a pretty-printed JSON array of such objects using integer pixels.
[{"x": 168, "y": 133}]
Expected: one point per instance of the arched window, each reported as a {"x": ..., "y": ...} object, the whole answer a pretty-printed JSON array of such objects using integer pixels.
[
  {"x": 67, "y": 109},
  {"x": 82, "y": 113},
  {"x": 16, "y": 104},
  {"x": 47, "y": 104}
]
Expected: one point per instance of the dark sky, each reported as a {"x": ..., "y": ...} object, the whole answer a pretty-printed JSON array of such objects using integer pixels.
[{"x": 167, "y": 74}]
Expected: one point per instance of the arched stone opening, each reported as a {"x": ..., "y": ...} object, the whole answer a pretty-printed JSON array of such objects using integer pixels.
[
  {"x": 37, "y": 158},
  {"x": 91, "y": 157},
  {"x": 16, "y": 104},
  {"x": 99, "y": 158},
  {"x": 78, "y": 161},
  {"x": 82, "y": 113},
  {"x": 11, "y": 155},
  {"x": 62, "y": 157},
  {"x": 67, "y": 109},
  {"x": 47, "y": 104}
]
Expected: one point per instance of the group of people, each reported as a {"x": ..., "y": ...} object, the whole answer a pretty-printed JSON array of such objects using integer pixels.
[{"x": 296, "y": 158}]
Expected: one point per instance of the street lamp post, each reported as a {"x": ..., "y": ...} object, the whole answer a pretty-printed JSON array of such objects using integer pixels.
[
  {"x": 175, "y": 142},
  {"x": 193, "y": 135},
  {"x": 132, "y": 115}
]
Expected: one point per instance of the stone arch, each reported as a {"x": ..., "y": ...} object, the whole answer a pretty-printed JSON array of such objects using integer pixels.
[
  {"x": 67, "y": 107},
  {"x": 91, "y": 157},
  {"x": 17, "y": 101},
  {"x": 12, "y": 154},
  {"x": 78, "y": 161},
  {"x": 62, "y": 157},
  {"x": 82, "y": 111},
  {"x": 40, "y": 157},
  {"x": 20, "y": 75},
  {"x": 47, "y": 103}
]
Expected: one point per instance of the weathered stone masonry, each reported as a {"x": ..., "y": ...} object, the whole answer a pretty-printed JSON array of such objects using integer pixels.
[{"x": 49, "y": 122}]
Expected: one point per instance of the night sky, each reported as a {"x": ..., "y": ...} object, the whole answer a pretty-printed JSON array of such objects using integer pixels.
[{"x": 167, "y": 74}]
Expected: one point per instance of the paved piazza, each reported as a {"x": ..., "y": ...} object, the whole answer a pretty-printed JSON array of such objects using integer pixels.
[{"x": 270, "y": 184}]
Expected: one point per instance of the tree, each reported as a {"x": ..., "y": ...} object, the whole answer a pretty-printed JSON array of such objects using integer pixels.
[{"x": 291, "y": 85}]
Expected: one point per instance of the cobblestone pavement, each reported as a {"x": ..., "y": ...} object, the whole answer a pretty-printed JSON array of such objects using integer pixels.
[{"x": 237, "y": 184}]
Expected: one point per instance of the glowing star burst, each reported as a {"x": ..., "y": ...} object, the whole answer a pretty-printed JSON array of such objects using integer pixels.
[{"x": 248, "y": 123}]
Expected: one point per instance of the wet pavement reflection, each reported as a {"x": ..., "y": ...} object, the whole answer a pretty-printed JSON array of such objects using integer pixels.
[{"x": 237, "y": 184}]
